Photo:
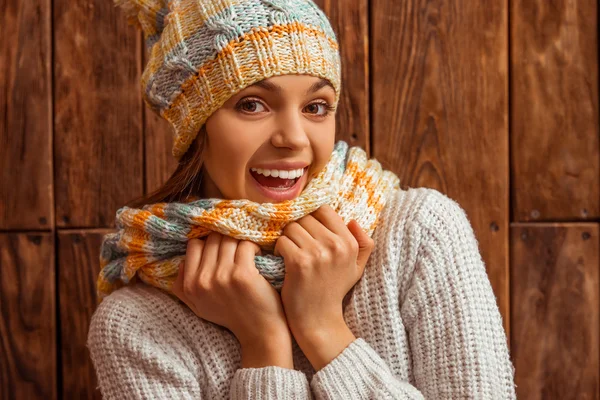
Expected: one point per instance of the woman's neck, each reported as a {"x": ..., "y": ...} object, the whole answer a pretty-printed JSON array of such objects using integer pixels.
[{"x": 208, "y": 189}]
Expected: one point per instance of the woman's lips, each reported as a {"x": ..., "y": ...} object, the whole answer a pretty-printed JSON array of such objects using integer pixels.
[{"x": 279, "y": 194}]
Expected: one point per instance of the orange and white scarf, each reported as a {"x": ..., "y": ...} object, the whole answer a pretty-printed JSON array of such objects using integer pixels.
[{"x": 151, "y": 242}]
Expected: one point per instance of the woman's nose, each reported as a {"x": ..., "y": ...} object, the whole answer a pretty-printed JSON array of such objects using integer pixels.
[{"x": 291, "y": 131}]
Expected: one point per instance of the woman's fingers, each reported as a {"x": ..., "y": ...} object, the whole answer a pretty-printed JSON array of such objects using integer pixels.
[
  {"x": 364, "y": 241},
  {"x": 226, "y": 259},
  {"x": 298, "y": 234},
  {"x": 177, "y": 287},
  {"x": 285, "y": 246},
  {"x": 246, "y": 250},
  {"x": 331, "y": 220},
  {"x": 210, "y": 256},
  {"x": 315, "y": 228},
  {"x": 224, "y": 276},
  {"x": 193, "y": 255}
]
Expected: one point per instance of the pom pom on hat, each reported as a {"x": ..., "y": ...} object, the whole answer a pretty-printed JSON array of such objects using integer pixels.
[{"x": 149, "y": 15}]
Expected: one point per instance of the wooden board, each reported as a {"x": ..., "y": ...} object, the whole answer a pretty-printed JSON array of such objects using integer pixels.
[
  {"x": 78, "y": 258},
  {"x": 554, "y": 295},
  {"x": 28, "y": 367},
  {"x": 26, "y": 128},
  {"x": 554, "y": 110},
  {"x": 98, "y": 117}
]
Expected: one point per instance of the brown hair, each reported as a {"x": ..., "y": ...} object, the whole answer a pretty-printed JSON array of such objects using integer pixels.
[{"x": 185, "y": 181}]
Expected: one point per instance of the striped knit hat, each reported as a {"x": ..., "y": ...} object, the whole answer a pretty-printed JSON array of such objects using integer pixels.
[{"x": 202, "y": 52}]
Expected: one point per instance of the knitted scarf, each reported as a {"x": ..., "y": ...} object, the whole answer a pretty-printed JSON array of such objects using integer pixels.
[{"x": 151, "y": 242}]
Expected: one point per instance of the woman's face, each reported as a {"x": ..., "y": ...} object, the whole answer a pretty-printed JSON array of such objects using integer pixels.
[{"x": 283, "y": 123}]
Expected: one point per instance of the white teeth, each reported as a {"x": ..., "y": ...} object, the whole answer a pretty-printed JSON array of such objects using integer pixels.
[{"x": 277, "y": 173}]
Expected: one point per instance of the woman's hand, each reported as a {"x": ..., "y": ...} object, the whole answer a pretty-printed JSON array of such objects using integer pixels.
[
  {"x": 220, "y": 283},
  {"x": 324, "y": 259}
]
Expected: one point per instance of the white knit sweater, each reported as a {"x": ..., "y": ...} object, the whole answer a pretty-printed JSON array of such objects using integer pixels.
[{"x": 424, "y": 314}]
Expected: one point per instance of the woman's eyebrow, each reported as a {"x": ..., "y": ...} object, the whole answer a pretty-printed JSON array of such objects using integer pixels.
[
  {"x": 277, "y": 89},
  {"x": 268, "y": 86},
  {"x": 318, "y": 85}
]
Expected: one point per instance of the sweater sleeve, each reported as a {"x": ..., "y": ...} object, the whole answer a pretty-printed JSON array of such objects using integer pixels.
[
  {"x": 269, "y": 383},
  {"x": 358, "y": 372},
  {"x": 130, "y": 362},
  {"x": 458, "y": 344}
]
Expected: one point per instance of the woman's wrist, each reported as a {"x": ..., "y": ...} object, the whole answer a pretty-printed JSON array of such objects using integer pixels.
[
  {"x": 270, "y": 350},
  {"x": 324, "y": 344}
]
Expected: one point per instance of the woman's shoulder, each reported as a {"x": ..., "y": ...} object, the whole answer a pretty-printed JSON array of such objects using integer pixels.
[
  {"x": 419, "y": 203},
  {"x": 432, "y": 214},
  {"x": 133, "y": 311},
  {"x": 417, "y": 213},
  {"x": 134, "y": 302},
  {"x": 410, "y": 212}
]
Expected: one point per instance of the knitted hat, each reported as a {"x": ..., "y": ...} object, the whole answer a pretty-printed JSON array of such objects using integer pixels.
[{"x": 202, "y": 52}]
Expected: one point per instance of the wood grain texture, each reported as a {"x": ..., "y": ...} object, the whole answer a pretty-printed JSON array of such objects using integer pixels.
[
  {"x": 27, "y": 318},
  {"x": 26, "y": 119},
  {"x": 78, "y": 258},
  {"x": 555, "y": 149},
  {"x": 349, "y": 20},
  {"x": 439, "y": 111},
  {"x": 98, "y": 117},
  {"x": 554, "y": 292}
]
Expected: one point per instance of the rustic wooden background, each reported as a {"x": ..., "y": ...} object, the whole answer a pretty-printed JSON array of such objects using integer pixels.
[{"x": 493, "y": 103}]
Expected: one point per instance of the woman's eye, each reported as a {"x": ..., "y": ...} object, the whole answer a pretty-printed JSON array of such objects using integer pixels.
[
  {"x": 320, "y": 109},
  {"x": 251, "y": 106}
]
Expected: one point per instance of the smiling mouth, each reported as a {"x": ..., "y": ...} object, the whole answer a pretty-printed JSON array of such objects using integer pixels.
[{"x": 275, "y": 183}]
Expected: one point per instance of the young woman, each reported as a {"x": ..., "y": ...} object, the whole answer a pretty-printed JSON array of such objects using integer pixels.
[{"x": 384, "y": 293}]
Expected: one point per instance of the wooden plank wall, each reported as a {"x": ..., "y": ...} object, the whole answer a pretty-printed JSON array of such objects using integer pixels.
[
  {"x": 494, "y": 104},
  {"x": 555, "y": 197}
]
